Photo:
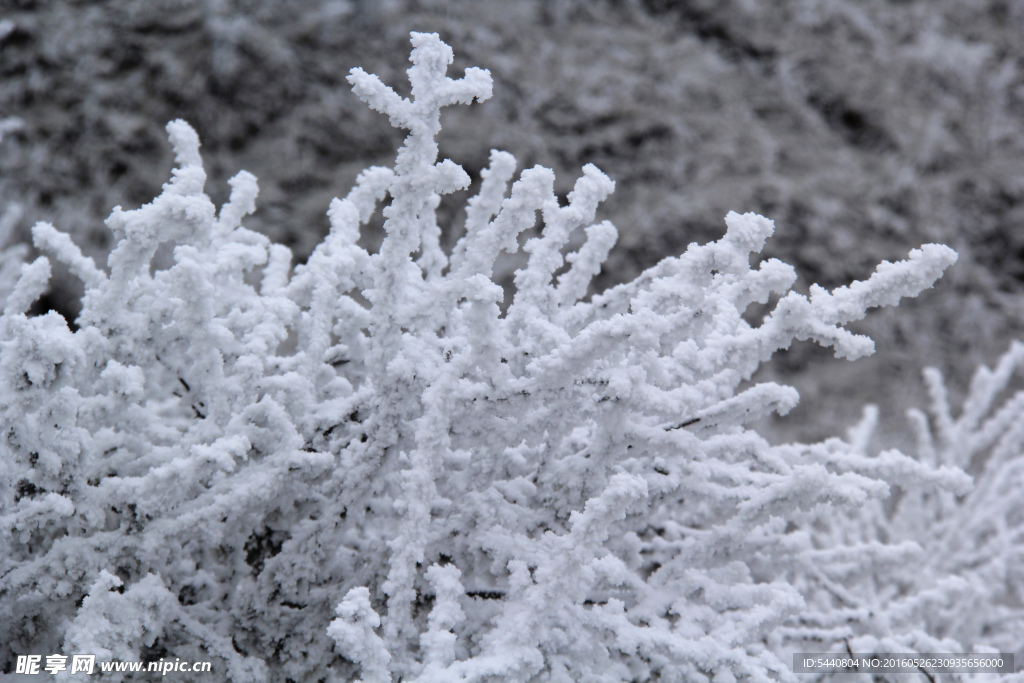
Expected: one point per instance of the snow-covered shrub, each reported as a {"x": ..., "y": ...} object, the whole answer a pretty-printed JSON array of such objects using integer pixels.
[
  {"x": 862, "y": 127},
  {"x": 960, "y": 581},
  {"x": 364, "y": 466}
]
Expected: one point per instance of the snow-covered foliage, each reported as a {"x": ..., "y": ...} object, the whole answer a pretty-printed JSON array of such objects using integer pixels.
[
  {"x": 864, "y": 127},
  {"x": 367, "y": 466},
  {"x": 960, "y": 575}
]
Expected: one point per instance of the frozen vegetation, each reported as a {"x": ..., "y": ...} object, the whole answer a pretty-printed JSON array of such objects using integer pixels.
[
  {"x": 484, "y": 419},
  {"x": 862, "y": 128}
]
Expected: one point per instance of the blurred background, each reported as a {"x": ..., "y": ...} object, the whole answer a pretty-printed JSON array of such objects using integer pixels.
[{"x": 863, "y": 128}]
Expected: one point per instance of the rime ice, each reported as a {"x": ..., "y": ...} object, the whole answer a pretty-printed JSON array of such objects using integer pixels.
[{"x": 361, "y": 467}]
